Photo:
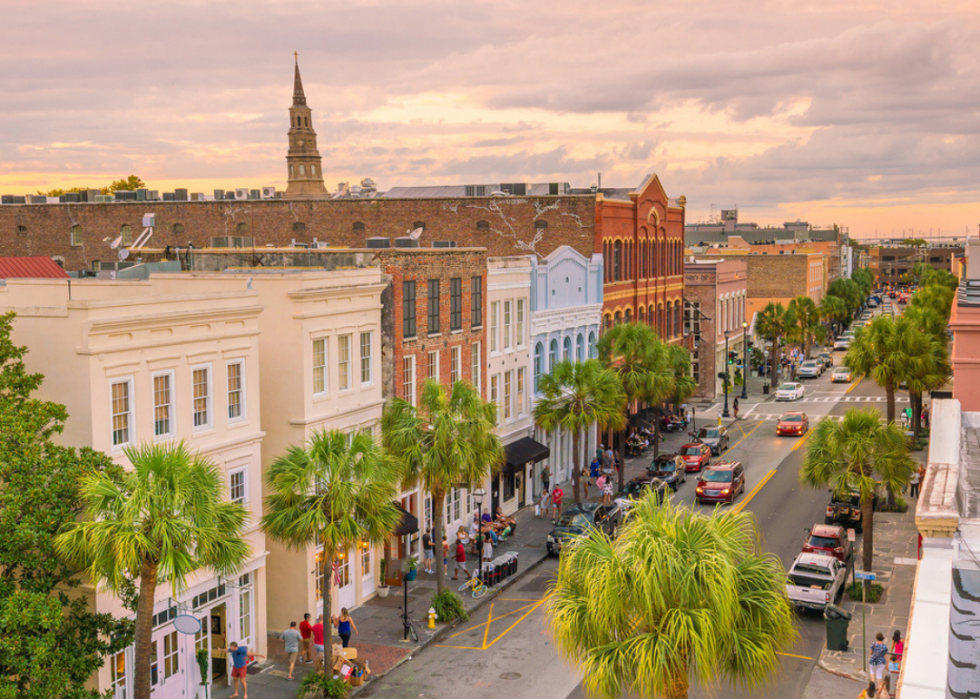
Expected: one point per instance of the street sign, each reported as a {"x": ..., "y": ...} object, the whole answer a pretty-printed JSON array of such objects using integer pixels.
[
  {"x": 851, "y": 535},
  {"x": 861, "y": 575}
]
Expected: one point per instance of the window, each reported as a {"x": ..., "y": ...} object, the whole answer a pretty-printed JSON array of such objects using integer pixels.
[
  {"x": 519, "y": 331},
  {"x": 343, "y": 362},
  {"x": 236, "y": 487},
  {"x": 453, "y": 509},
  {"x": 567, "y": 349},
  {"x": 118, "y": 675},
  {"x": 495, "y": 392},
  {"x": 433, "y": 306},
  {"x": 455, "y": 364},
  {"x": 126, "y": 233},
  {"x": 76, "y": 235},
  {"x": 245, "y": 614},
  {"x": 241, "y": 229},
  {"x": 122, "y": 412},
  {"x": 538, "y": 365},
  {"x": 408, "y": 308},
  {"x": 476, "y": 365},
  {"x": 358, "y": 227},
  {"x": 455, "y": 303},
  {"x": 494, "y": 319},
  {"x": 434, "y": 365},
  {"x": 178, "y": 229},
  {"x": 163, "y": 405},
  {"x": 476, "y": 302},
  {"x": 319, "y": 366},
  {"x": 482, "y": 225},
  {"x": 521, "y": 379},
  {"x": 580, "y": 348},
  {"x": 408, "y": 379},
  {"x": 507, "y": 319},
  {"x": 202, "y": 396},
  {"x": 419, "y": 224},
  {"x": 552, "y": 355},
  {"x": 593, "y": 353},
  {"x": 540, "y": 225},
  {"x": 366, "y": 358},
  {"x": 236, "y": 390},
  {"x": 427, "y": 505},
  {"x": 299, "y": 227},
  {"x": 508, "y": 393},
  {"x": 365, "y": 561},
  {"x": 677, "y": 318}
]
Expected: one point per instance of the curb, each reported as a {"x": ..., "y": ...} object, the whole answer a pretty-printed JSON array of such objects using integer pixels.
[{"x": 841, "y": 673}]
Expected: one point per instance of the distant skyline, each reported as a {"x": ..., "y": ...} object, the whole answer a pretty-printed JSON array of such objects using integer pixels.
[{"x": 863, "y": 114}]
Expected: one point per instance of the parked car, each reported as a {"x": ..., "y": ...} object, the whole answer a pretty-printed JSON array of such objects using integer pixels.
[
  {"x": 829, "y": 540},
  {"x": 789, "y": 391},
  {"x": 640, "y": 487},
  {"x": 793, "y": 423},
  {"x": 841, "y": 375},
  {"x": 809, "y": 370},
  {"x": 578, "y": 519},
  {"x": 814, "y": 581},
  {"x": 828, "y": 359},
  {"x": 667, "y": 471},
  {"x": 715, "y": 436},
  {"x": 845, "y": 510},
  {"x": 696, "y": 456},
  {"x": 721, "y": 482}
]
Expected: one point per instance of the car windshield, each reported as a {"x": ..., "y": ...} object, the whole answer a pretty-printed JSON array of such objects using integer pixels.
[
  {"x": 667, "y": 467},
  {"x": 635, "y": 488},
  {"x": 788, "y": 387},
  {"x": 808, "y": 364},
  {"x": 708, "y": 433},
  {"x": 717, "y": 477},
  {"x": 694, "y": 451},
  {"x": 822, "y": 542},
  {"x": 792, "y": 418},
  {"x": 573, "y": 519}
]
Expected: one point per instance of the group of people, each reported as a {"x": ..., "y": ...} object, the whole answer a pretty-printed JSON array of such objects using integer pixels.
[
  {"x": 459, "y": 553},
  {"x": 308, "y": 641},
  {"x": 883, "y": 658},
  {"x": 484, "y": 534}
]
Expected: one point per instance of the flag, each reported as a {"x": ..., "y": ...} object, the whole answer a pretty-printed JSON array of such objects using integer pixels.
[{"x": 336, "y": 572}]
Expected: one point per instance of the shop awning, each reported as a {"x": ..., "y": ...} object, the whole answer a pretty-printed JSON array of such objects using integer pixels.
[
  {"x": 409, "y": 523},
  {"x": 524, "y": 451}
]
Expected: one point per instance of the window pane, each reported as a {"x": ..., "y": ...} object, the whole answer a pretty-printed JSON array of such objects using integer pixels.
[
  {"x": 433, "y": 306},
  {"x": 366, "y": 357},
  {"x": 343, "y": 355},
  {"x": 235, "y": 391},
  {"x": 408, "y": 309},
  {"x": 434, "y": 365},
  {"x": 476, "y": 365},
  {"x": 408, "y": 379},
  {"x": 519, "y": 332},
  {"x": 319, "y": 366},
  {"x": 476, "y": 301},
  {"x": 494, "y": 313},
  {"x": 508, "y": 388},
  {"x": 455, "y": 303},
  {"x": 455, "y": 364},
  {"x": 507, "y": 319},
  {"x": 202, "y": 398},
  {"x": 161, "y": 405},
  {"x": 237, "y": 489},
  {"x": 120, "y": 413}
]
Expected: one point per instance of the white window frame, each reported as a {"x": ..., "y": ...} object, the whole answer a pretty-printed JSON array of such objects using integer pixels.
[
  {"x": 494, "y": 325},
  {"x": 508, "y": 306},
  {"x": 322, "y": 369},
  {"x": 169, "y": 405},
  {"x": 243, "y": 472},
  {"x": 508, "y": 401},
  {"x": 408, "y": 385},
  {"x": 243, "y": 412},
  {"x": 369, "y": 357},
  {"x": 521, "y": 390},
  {"x": 434, "y": 355},
  {"x": 476, "y": 365},
  {"x": 209, "y": 398},
  {"x": 455, "y": 364},
  {"x": 130, "y": 413},
  {"x": 345, "y": 376},
  {"x": 495, "y": 394},
  {"x": 246, "y": 610},
  {"x": 519, "y": 340},
  {"x": 171, "y": 659}
]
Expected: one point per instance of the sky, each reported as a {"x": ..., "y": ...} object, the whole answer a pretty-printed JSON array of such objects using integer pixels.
[{"x": 864, "y": 114}]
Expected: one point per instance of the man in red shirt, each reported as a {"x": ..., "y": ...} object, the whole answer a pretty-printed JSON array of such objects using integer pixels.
[
  {"x": 306, "y": 631},
  {"x": 556, "y": 495},
  {"x": 318, "y": 640},
  {"x": 460, "y": 560}
]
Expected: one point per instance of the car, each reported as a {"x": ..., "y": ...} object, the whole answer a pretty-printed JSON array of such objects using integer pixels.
[
  {"x": 845, "y": 510},
  {"x": 720, "y": 483},
  {"x": 640, "y": 487},
  {"x": 809, "y": 370},
  {"x": 829, "y": 540},
  {"x": 828, "y": 359},
  {"x": 715, "y": 436},
  {"x": 789, "y": 391},
  {"x": 814, "y": 581},
  {"x": 578, "y": 519},
  {"x": 667, "y": 471},
  {"x": 841, "y": 375},
  {"x": 696, "y": 456},
  {"x": 792, "y": 423},
  {"x": 842, "y": 343},
  {"x": 872, "y": 303}
]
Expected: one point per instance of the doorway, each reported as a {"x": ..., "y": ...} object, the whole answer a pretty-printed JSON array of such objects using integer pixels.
[
  {"x": 344, "y": 582},
  {"x": 215, "y": 628},
  {"x": 166, "y": 664}
]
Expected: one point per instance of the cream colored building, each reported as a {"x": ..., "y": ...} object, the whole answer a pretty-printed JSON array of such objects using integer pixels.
[{"x": 156, "y": 361}]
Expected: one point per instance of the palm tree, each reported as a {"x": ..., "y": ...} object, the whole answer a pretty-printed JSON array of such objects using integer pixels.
[
  {"x": 925, "y": 368},
  {"x": 773, "y": 324},
  {"x": 881, "y": 350},
  {"x": 684, "y": 385},
  {"x": 808, "y": 328},
  {"x": 858, "y": 454},
  {"x": 833, "y": 309},
  {"x": 447, "y": 442},
  {"x": 575, "y": 396},
  {"x": 162, "y": 521},
  {"x": 677, "y": 596},
  {"x": 337, "y": 490}
]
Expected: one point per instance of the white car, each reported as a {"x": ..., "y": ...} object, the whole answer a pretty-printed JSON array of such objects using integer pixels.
[
  {"x": 842, "y": 343},
  {"x": 841, "y": 375},
  {"x": 789, "y": 391},
  {"x": 809, "y": 370}
]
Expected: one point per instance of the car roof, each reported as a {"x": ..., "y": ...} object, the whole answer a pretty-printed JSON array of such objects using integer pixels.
[
  {"x": 792, "y": 412},
  {"x": 827, "y": 530},
  {"x": 722, "y": 466},
  {"x": 817, "y": 559},
  {"x": 809, "y": 361},
  {"x": 692, "y": 444},
  {"x": 581, "y": 508}
]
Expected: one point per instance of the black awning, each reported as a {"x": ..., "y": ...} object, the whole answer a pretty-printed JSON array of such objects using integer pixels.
[
  {"x": 409, "y": 523},
  {"x": 524, "y": 451}
]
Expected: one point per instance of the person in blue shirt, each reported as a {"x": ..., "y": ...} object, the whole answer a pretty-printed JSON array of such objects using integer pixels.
[
  {"x": 344, "y": 626},
  {"x": 239, "y": 666}
]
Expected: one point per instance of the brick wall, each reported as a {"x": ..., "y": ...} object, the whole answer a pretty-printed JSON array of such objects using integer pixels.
[{"x": 777, "y": 276}]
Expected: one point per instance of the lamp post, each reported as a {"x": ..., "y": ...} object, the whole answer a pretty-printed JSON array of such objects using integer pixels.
[
  {"x": 725, "y": 413},
  {"x": 478, "y": 496},
  {"x": 745, "y": 360}
]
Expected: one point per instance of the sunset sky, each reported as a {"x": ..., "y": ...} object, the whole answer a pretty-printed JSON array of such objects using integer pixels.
[{"x": 861, "y": 113}]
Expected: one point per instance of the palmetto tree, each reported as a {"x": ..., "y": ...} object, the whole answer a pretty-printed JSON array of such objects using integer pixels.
[
  {"x": 775, "y": 321},
  {"x": 833, "y": 309},
  {"x": 881, "y": 350},
  {"x": 679, "y": 363},
  {"x": 925, "y": 368},
  {"x": 858, "y": 454},
  {"x": 677, "y": 596},
  {"x": 337, "y": 490},
  {"x": 447, "y": 442},
  {"x": 575, "y": 396},
  {"x": 807, "y": 329},
  {"x": 161, "y": 521}
]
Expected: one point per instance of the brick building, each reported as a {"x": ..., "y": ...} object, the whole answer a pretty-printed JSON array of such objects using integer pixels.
[
  {"x": 781, "y": 278},
  {"x": 889, "y": 264}
]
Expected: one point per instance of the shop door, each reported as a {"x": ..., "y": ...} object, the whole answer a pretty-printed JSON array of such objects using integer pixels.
[
  {"x": 367, "y": 572},
  {"x": 345, "y": 582},
  {"x": 167, "y": 665}
]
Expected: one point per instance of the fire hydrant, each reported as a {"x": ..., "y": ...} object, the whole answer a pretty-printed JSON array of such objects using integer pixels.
[{"x": 432, "y": 617}]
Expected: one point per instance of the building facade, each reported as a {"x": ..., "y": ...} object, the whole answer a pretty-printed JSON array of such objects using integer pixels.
[
  {"x": 895, "y": 264},
  {"x": 781, "y": 278}
]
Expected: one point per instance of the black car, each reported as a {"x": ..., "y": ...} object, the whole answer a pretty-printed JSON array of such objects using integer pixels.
[
  {"x": 715, "y": 436},
  {"x": 845, "y": 510},
  {"x": 639, "y": 487},
  {"x": 578, "y": 519},
  {"x": 664, "y": 468}
]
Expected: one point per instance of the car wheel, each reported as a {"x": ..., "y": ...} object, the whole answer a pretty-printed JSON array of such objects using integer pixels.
[{"x": 551, "y": 551}]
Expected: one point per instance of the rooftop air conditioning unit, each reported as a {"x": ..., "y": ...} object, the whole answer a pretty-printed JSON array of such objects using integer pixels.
[
  {"x": 406, "y": 242},
  {"x": 377, "y": 243},
  {"x": 443, "y": 243},
  {"x": 241, "y": 193},
  {"x": 268, "y": 192}
]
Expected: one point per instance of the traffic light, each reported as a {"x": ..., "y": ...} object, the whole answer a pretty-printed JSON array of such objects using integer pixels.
[{"x": 731, "y": 357}]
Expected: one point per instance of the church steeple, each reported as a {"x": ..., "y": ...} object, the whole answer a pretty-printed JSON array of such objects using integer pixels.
[{"x": 303, "y": 160}]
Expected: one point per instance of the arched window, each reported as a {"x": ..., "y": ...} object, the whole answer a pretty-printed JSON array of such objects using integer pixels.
[
  {"x": 358, "y": 227},
  {"x": 580, "y": 348},
  {"x": 299, "y": 227},
  {"x": 677, "y": 318},
  {"x": 292, "y": 172},
  {"x": 540, "y": 224},
  {"x": 640, "y": 315},
  {"x": 552, "y": 355},
  {"x": 606, "y": 321},
  {"x": 312, "y": 169},
  {"x": 126, "y": 233},
  {"x": 241, "y": 229},
  {"x": 538, "y": 365},
  {"x": 660, "y": 319},
  {"x": 668, "y": 328},
  {"x": 178, "y": 229},
  {"x": 418, "y": 224},
  {"x": 482, "y": 225},
  {"x": 302, "y": 169},
  {"x": 566, "y": 354},
  {"x": 618, "y": 318},
  {"x": 652, "y": 317},
  {"x": 617, "y": 260},
  {"x": 592, "y": 348},
  {"x": 628, "y": 315}
]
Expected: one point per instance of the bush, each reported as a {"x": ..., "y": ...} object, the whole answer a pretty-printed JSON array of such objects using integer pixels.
[
  {"x": 317, "y": 684},
  {"x": 874, "y": 592},
  {"x": 449, "y": 606},
  {"x": 900, "y": 506}
]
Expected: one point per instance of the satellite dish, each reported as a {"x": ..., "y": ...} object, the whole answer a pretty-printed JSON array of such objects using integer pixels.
[
  {"x": 123, "y": 254},
  {"x": 415, "y": 234},
  {"x": 115, "y": 243}
]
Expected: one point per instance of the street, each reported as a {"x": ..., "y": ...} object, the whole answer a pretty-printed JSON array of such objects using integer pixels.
[{"x": 506, "y": 650}]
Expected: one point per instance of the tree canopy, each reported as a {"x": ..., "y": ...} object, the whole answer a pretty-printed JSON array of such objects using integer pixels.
[{"x": 130, "y": 183}]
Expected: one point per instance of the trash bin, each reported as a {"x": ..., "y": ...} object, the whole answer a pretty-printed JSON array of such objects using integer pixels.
[
  {"x": 837, "y": 620},
  {"x": 765, "y": 389}
]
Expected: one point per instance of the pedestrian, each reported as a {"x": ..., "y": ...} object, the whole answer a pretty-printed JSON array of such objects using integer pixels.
[
  {"x": 292, "y": 639},
  {"x": 556, "y": 495},
  {"x": 600, "y": 483},
  {"x": 876, "y": 662},
  {"x": 445, "y": 556},
  {"x": 735, "y": 406},
  {"x": 688, "y": 417},
  {"x": 599, "y": 451},
  {"x": 546, "y": 477},
  {"x": 306, "y": 631},
  {"x": 585, "y": 479},
  {"x": 594, "y": 470},
  {"x": 925, "y": 416},
  {"x": 487, "y": 548},
  {"x": 914, "y": 482},
  {"x": 898, "y": 646},
  {"x": 544, "y": 503},
  {"x": 679, "y": 466},
  {"x": 239, "y": 667},
  {"x": 460, "y": 561},
  {"x": 428, "y": 552},
  {"x": 884, "y": 689},
  {"x": 792, "y": 371},
  {"x": 607, "y": 491},
  {"x": 869, "y": 692},
  {"x": 607, "y": 461},
  {"x": 344, "y": 626},
  {"x": 318, "y": 642}
]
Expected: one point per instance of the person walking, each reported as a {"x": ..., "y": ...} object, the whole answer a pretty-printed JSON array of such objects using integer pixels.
[
  {"x": 595, "y": 468},
  {"x": 546, "y": 477},
  {"x": 544, "y": 503},
  {"x": 869, "y": 692},
  {"x": 735, "y": 406},
  {"x": 600, "y": 483},
  {"x": 925, "y": 416},
  {"x": 292, "y": 639},
  {"x": 239, "y": 667},
  {"x": 487, "y": 548},
  {"x": 876, "y": 662},
  {"x": 898, "y": 646},
  {"x": 586, "y": 479},
  {"x": 607, "y": 461},
  {"x": 445, "y": 556},
  {"x": 914, "y": 483},
  {"x": 460, "y": 561},
  {"x": 306, "y": 631},
  {"x": 556, "y": 495},
  {"x": 428, "y": 552},
  {"x": 344, "y": 626},
  {"x": 318, "y": 642}
]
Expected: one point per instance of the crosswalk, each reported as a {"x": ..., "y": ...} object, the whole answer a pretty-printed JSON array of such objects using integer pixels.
[{"x": 808, "y": 400}]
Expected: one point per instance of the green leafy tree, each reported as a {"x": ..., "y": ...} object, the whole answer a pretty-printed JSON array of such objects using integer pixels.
[
  {"x": 807, "y": 329},
  {"x": 858, "y": 454},
  {"x": 51, "y": 642},
  {"x": 336, "y": 490},
  {"x": 833, "y": 310},
  {"x": 575, "y": 396},
  {"x": 162, "y": 521},
  {"x": 448, "y": 441},
  {"x": 883, "y": 351},
  {"x": 865, "y": 281},
  {"x": 130, "y": 183},
  {"x": 925, "y": 367},
  {"x": 679, "y": 365},
  {"x": 849, "y": 292},
  {"x": 677, "y": 596},
  {"x": 774, "y": 323}
]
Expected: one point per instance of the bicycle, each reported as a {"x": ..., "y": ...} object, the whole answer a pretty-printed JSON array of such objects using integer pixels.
[
  {"x": 478, "y": 588},
  {"x": 410, "y": 629}
]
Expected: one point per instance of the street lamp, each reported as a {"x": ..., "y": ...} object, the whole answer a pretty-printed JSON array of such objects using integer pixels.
[
  {"x": 724, "y": 413},
  {"x": 745, "y": 360},
  {"x": 478, "y": 496}
]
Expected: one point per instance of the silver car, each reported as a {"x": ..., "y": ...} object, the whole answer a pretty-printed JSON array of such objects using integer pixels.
[{"x": 809, "y": 370}]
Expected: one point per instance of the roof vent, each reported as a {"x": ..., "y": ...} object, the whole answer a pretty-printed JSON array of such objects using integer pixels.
[{"x": 377, "y": 243}]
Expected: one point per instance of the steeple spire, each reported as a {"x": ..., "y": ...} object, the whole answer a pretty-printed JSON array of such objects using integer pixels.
[
  {"x": 303, "y": 159},
  {"x": 299, "y": 97}
]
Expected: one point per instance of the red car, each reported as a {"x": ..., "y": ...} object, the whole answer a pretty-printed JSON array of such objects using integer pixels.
[
  {"x": 696, "y": 456},
  {"x": 793, "y": 423},
  {"x": 828, "y": 539},
  {"x": 721, "y": 482}
]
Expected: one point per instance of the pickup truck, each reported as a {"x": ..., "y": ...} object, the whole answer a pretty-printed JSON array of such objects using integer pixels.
[{"x": 814, "y": 581}]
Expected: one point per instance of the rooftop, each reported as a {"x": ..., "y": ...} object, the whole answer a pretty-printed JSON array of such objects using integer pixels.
[{"x": 30, "y": 268}]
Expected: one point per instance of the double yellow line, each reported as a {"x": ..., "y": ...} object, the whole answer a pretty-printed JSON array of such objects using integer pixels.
[{"x": 748, "y": 498}]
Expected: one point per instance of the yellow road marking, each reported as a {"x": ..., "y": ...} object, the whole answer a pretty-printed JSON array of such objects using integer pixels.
[
  {"x": 442, "y": 645},
  {"x": 790, "y": 655},
  {"x": 523, "y": 616},
  {"x": 516, "y": 599},
  {"x": 746, "y": 435},
  {"x": 487, "y": 629},
  {"x": 853, "y": 386},
  {"x": 799, "y": 442},
  {"x": 739, "y": 429},
  {"x": 474, "y": 628},
  {"x": 748, "y": 498}
]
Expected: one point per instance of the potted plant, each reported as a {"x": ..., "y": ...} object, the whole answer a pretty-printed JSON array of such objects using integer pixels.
[
  {"x": 203, "y": 664},
  {"x": 383, "y": 588},
  {"x": 411, "y": 569}
]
